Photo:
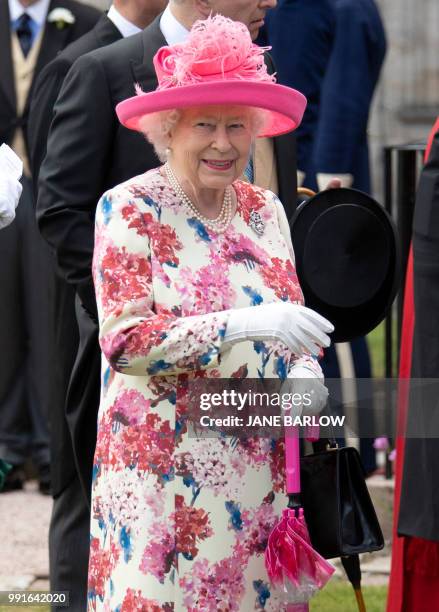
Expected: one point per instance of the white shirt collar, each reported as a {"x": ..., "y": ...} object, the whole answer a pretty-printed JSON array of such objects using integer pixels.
[
  {"x": 171, "y": 28},
  {"x": 125, "y": 27},
  {"x": 37, "y": 11}
]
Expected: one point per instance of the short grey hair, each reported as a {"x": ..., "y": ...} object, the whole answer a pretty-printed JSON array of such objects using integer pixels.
[{"x": 157, "y": 127}]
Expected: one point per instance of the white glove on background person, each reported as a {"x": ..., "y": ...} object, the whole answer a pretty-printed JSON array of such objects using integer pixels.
[
  {"x": 10, "y": 192},
  {"x": 301, "y": 329},
  {"x": 303, "y": 380},
  {"x": 11, "y": 169}
]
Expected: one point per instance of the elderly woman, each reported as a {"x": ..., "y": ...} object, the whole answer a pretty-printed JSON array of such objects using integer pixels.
[{"x": 194, "y": 274}]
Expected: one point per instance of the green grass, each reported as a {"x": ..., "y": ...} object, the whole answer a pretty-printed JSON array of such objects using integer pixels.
[
  {"x": 339, "y": 597},
  {"x": 375, "y": 341},
  {"x": 25, "y": 608}
]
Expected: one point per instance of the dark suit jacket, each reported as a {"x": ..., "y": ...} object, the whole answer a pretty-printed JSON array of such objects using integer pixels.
[
  {"x": 48, "y": 85},
  {"x": 45, "y": 92},
  {"x": 97, "y": 152},
  {"x": 348, "y": 87},
  {"x": 54, "y": 40}
]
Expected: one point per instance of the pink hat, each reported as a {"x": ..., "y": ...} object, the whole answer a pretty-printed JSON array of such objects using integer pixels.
[{"x": 217, "y": 65}]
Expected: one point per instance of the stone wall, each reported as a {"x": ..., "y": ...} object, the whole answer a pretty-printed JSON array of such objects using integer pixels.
[{"x": 407, "y": 99}]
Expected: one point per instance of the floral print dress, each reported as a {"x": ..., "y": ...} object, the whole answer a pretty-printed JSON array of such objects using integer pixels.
[{"x": 181, "y": 523}]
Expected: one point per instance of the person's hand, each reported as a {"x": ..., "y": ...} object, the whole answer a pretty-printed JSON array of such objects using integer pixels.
[
  {"x": 301, "y": 329},
  {"x": 329, "y": 181},
  {"x": 10, "y": 192},
  {"x": 334, "y": 183},
  {"x": 310, "y": 387}
]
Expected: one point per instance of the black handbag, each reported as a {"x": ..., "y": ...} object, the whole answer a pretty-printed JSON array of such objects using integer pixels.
[{"x": 338, "y": 509}]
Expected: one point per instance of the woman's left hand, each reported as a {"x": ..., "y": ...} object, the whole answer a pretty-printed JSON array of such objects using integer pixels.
[{"x": 310, "y": 387}]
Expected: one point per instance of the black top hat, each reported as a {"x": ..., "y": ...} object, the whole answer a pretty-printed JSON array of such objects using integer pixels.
[{"x": 347, "y": 259}]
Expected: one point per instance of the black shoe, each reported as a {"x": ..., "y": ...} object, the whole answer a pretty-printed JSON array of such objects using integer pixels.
[
  {"x": 44, "y": 485},
  {"x": 14, "y": 480}
]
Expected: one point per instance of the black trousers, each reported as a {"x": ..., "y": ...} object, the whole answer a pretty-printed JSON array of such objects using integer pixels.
[
  {"x": 25, "y": 324},
  {"x": 69, "y": 542}
]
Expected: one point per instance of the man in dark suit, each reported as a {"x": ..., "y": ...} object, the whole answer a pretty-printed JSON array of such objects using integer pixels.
[
  {"x": 69, "y": 527},
  {"x": 32, "y": 32}
]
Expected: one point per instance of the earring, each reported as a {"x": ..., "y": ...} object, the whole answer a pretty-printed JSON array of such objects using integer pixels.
[{"x": 168, "y": 151}]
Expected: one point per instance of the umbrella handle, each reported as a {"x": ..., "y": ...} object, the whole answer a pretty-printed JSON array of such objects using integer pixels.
[
  {"x": 292, "y": 460},
  {"x": 360, "y": 601},
  {"x": 304, "y": 191}
]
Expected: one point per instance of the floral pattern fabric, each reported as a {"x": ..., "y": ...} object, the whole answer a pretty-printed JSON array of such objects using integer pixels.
[{"x": 181, "y": 523}]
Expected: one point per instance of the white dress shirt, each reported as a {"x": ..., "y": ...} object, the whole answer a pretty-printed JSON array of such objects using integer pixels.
[
  {"x": 125, "y": 27},
  {"x": 172, "y": 29},
  {"x": 37, "y": 12}
]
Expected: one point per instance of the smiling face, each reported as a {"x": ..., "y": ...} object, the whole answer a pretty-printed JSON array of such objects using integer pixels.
[
  {"x": 211, "y": 146},
  {"x": 249, "y": 12}
]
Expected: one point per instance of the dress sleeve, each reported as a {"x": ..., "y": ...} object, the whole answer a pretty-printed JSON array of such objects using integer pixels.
[
  {"x": 134, "y": 338},
  {"x": 307, "y": 361}
]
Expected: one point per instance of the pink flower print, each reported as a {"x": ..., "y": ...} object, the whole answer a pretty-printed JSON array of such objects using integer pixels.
[
  {"x": 162, "y": 237},
  {"x": 121, "y": 277},
  {"x": 281, "y": 276},
  {"x": 213, "y": 465},
  {"x": 239, "y": 249},
  {"x": 155, "y": 501},
  {"x": 130, "y": 408},
  {"x": 214, "y": 588},
  {"x": 191, "y": 525},
  {"x": 250, "y": 199},
  {"x": 149, "y": 447},
  {"x": 254, "y": 451},
  {"x": 257, "y": 525},
  {"x": 207, "y": 289},
  {"x": 135, "y": 602},
  {"x": 159, "y": 554},
  {"x": 138, "y": 341},
  {"x": 277, "y": 465},
  {"x": 101, "y": 564}
]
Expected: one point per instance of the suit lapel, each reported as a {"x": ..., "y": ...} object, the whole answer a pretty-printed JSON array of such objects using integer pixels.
[
  {"x": 54, "y": 39},
  {"x": 285, "y": 155},
  {"x": 152, "y": 39},
  {"x": 6, "y": 69}
]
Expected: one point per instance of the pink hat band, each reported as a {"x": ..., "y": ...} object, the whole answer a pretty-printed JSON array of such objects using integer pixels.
[{"x": 217, "y": 65}]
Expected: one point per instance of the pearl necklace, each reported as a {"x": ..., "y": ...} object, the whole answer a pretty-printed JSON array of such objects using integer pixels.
[{"x": 221, "y": 222}]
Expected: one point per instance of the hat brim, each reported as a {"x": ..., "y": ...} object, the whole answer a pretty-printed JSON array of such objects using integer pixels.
[
  {"x": 285, "y": 106},
  {"x": 347, "y": 259}
]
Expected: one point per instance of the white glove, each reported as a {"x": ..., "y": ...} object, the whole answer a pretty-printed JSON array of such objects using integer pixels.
[
  {"x": 305, "y": 382},
  {"x": 11, "y": 168},
  {"x": 10, "y": 192},
  {"x": 301, "y": 329}
]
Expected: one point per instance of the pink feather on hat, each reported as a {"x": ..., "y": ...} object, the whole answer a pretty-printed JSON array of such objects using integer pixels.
[
  {"x": 216, "y": 49},
  {"x": 218, "y": 64}
]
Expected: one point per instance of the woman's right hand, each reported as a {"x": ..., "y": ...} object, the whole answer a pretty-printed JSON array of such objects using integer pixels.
[{"x": 301, "y": 329}]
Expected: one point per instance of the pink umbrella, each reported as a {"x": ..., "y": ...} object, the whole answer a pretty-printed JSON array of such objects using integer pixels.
[{"x": 294, "y": 567}]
